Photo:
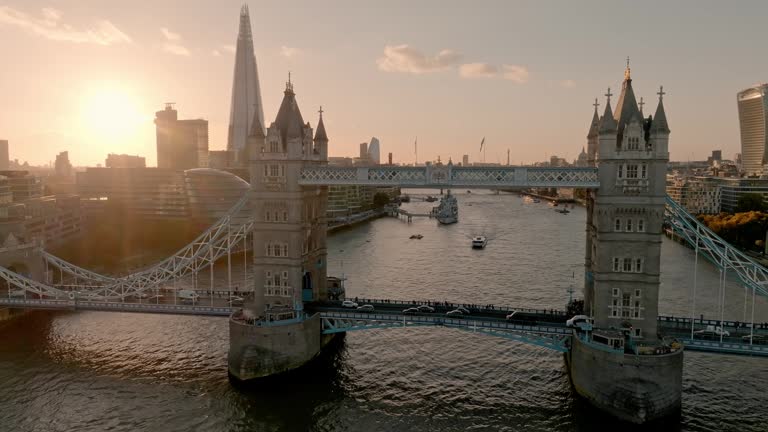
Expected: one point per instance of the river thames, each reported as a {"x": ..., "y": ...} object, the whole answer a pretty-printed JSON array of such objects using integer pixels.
[{"x": 92, "y": 371}]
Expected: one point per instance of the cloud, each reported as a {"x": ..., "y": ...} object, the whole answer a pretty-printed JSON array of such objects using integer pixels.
[
  {"x": 403, "y": 58},
  {"x": 478, "y": 70},
  {"x": 515, "y": 73},
  {"x": 172, "y": 43},
  {"x": 289, "y": 52},
  {"x": 229, "y": 48},
  {"x": 569, "y": 83},
  {"x": 175, "y": 49},
  {"x": 50, "y": 26},
  {"x": 169, "y": 35},
  {"x": 215, "y": 53}
]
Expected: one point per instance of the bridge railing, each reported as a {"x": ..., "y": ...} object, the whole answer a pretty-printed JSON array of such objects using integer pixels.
[{"x": 469, "y": 306}]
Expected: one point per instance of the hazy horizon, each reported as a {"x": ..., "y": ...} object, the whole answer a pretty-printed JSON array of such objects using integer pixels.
[{"x": 88, "y": 76}]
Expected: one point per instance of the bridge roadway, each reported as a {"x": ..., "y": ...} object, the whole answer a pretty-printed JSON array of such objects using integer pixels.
[{"x": 389, "y": 313}]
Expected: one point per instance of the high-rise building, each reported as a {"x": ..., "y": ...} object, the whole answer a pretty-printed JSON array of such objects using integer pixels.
[
  {"x": 465, "y": 160},
  {"x": 363, "y": 151},
  {"x": 4, "y": 161},
  {"x": 62, "y": 166},
  {"x": 389, "y": 159},
  {"x": 753, "y": 116},
  {"x": 246, "y": 93},
  {"x": 374, "y": 152},
  {"x": 181, "y": 144}
]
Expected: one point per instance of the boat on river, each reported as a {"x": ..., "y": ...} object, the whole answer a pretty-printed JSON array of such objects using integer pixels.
[
  {"x": 479, "y": 242},
  {"x": 448, "y": 210}
]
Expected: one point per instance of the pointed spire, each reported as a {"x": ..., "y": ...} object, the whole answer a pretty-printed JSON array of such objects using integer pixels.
[
  {"x": 640, "y": 104},
  {"x": 320, "y": 134},
  {"x": 627, "y": 75},
  {"x": 244, "y": 32},
  {"x": 607, "y": 122},
  {"x": 257, "y": 129},
  {"x": 626, "y": 107},
  {"x": 289, "y": 121},
  {"x": 593, "y": 127},
  {"x": 659, "y": 123}
]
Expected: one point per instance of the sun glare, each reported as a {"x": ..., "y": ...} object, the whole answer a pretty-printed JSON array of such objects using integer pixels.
[{"x": 110, "y": 113}]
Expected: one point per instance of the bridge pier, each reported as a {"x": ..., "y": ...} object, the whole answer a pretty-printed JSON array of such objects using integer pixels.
[
  {"x": 635, "y": 388},
  {"x": 260, "y": 351}
]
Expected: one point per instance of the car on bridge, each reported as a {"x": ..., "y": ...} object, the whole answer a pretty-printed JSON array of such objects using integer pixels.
[
  {"x": 425, "y": 308},
  {"x": 348, "y": 304},
  {"x": 711, "y": 332},
  {"x": 463, "y": 310},
  {"x": 579, "y": 321},
  {"x": 757, "y": 339},
  {"x": 236, "y": 301},
  {"x": 411, "y": 311},
  {"x": 365, "y": 308},
  {"x": 455, "y": 313}
]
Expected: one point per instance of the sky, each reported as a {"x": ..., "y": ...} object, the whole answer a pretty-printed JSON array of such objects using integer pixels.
[{"x": 87, "y": 76}]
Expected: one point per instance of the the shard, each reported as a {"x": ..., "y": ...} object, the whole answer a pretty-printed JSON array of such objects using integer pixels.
[{"x": 246, "y": 94}]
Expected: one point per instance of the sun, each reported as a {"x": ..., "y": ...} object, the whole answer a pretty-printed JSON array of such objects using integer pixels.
[{"x": 110, "y": 113}]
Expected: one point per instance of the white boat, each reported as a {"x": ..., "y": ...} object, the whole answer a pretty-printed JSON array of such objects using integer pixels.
[
  {"x": 448, "y": 210},
  {"x": 479, "y": 242}
]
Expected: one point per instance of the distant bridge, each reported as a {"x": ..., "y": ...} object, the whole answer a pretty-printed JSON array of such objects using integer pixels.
[{"x": 449, "y": 176}]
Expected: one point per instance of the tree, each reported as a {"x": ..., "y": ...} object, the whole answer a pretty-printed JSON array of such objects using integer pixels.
[
  {"x": 380, "y": 200},
  {"x": 750, "y": 202}
]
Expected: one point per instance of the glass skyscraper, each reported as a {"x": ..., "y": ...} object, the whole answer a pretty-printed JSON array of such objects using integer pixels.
[
  {"x": 753, "y": 115},
  {"x": 246, "y": 94}
]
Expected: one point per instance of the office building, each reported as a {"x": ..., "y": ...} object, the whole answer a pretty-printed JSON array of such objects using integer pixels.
[
  {"x": 363, "y": 151},
  {"x": 181, "y": 144},
  {"x": 465, "y": 160},
  {"x": 124, "y": 161},
  {"x": 753, "y": 115},
  {"x": 246, "y": 93}
]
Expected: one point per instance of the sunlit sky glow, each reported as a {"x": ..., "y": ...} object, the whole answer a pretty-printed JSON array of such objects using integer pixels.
[{"x": 88, "y": 75}]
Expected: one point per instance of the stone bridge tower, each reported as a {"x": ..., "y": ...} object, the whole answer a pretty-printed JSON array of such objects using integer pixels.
[
  {"x": 621, "y": 290},
  {"x": 273, "y": 334},
  {"x": 626, "y": 216}
]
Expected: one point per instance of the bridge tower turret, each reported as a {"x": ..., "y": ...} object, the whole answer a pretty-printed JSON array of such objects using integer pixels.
[
  {"x": 273, "y": 334},
  {"x": 621, "y": 290}
]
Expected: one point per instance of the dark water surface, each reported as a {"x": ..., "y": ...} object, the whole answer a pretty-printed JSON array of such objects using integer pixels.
[{"x": 92, "y": 371}]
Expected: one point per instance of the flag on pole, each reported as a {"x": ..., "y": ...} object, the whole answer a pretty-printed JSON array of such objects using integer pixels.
[
  {"x": 416, "y": 145},
  {"x": 481, "y": 144}
]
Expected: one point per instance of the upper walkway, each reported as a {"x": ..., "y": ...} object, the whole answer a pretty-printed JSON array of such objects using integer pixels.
[{"x": 449, "y": 176}]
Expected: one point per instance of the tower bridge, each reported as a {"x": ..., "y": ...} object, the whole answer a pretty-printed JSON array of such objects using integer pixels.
[{"x": 288, "y": 317}]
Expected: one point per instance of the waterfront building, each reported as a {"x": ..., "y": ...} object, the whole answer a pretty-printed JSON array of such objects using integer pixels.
[
  {"x": 53, "y": 220},
  {"x": 753, "y": 120},
  {"x": 124, "y": 161},
  {"x": 246, "y": 93},
  {"x": 4, "y": 158},
  {"x": 181, "y": 144},
  {"x": 199, "y": 194},
  {"x": 699, "y": 195}
]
